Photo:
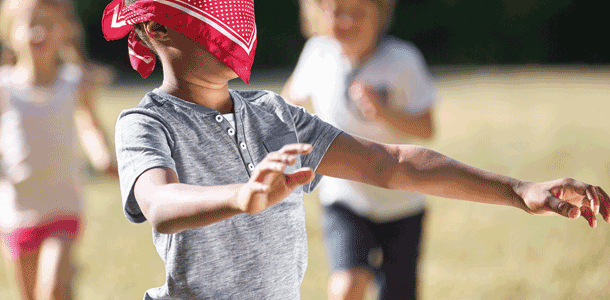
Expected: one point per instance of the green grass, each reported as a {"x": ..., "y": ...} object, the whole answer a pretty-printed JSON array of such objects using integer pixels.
[{"x": 532, "y": 123}]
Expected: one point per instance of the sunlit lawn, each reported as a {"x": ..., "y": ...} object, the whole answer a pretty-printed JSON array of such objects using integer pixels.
[{"x": 532, "y": 123}]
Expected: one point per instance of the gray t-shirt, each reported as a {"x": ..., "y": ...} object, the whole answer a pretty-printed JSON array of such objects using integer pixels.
[{"x": 261, "y": 256}]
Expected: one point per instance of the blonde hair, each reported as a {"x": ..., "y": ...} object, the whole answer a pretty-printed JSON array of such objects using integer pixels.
[
  {"x": 74, "y": 49},
  {"x": 314, "y": 20}
]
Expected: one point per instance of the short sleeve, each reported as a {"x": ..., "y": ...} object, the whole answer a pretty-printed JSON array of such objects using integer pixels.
[
  {"x": 415, "y": 88},
  {"x": 312, "y": 130},
  {"x": 306, "y": 68},
  {"x": 142, "y": 142}
]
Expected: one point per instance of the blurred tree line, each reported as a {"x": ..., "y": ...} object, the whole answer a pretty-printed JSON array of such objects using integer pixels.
[{"x": 447, "y": 32}]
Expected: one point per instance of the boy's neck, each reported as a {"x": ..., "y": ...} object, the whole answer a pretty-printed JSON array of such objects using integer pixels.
[{"x": 205, "y": 93}]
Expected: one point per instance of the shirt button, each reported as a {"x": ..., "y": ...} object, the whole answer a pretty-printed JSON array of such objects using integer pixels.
[
  {"x": 231, "y": 131},
  {"x": 251, "y": 167},
  {"x": 242, "y": 145},
  {"x": 218, "y": 118}
]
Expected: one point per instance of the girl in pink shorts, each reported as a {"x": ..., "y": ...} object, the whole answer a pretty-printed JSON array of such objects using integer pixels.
[
  {"x": 45, "y": 106},
  {"x": 28, "y": 240}
]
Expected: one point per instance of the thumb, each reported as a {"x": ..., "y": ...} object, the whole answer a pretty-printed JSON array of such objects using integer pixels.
[
  {"x": 300, "y": 177},
  {"x": 563, "y": 208}
]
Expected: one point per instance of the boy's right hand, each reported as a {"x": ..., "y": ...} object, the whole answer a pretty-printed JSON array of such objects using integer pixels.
[{"x": 268, "y": 184}]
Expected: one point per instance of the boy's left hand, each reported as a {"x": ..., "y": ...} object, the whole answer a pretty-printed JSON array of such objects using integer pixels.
[{"x": 567, "y": 197}]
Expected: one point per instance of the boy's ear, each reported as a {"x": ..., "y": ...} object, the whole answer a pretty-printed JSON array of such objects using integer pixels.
[{"x": 156, "y": 31}]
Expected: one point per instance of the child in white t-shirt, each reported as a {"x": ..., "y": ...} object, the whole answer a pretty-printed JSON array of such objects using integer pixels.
[{"x": 378, "y": 87}]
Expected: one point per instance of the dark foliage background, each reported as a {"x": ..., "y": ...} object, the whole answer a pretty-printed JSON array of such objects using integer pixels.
[{"x": 447, "y": 32}]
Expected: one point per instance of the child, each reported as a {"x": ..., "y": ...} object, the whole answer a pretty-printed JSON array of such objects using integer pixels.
[
  {"x": 220, "y": 174},
  {"x": 391, "y": 97},
  {"x": 44, "y": 94}
]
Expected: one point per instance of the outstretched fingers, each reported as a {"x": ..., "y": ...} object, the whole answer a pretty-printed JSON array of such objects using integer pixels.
[
  {"x": 604, "y": 206},
  {"x": 598, "y": 202},
  {"x": 563, "y": 208},
  {"x": 295, "y": 149},
  {"x": 300, "y": 177},
  {"x": 287, "y": 159},
  {"x": 586, "y": 195},
  {"x": 588, "y": 214},
  {"x": 593, "y": 197},
  {"x": 265, "y": 168}
]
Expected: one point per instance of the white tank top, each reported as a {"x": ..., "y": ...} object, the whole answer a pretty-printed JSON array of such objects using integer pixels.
[{"x": 39, "y": 150}]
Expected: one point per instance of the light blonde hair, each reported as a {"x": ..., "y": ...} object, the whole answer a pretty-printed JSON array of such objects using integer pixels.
[
  {"x": 74, "y": 49},
  {"x": 314, "y": 20}
]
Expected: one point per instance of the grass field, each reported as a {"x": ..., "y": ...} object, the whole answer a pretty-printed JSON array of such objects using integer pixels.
[{"x": 532, "y": 123}]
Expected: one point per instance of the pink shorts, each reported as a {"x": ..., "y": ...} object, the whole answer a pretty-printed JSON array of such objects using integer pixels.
[{"x": 28, "y": 239}]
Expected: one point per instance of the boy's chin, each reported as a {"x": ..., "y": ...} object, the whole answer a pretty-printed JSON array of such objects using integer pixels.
[
  {"x": 217, "y": 75},
  {"x": 229, "y": 75},
  {"x": 232, "y": 74}
]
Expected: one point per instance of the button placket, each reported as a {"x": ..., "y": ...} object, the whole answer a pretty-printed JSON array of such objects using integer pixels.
[
  {"x": 238, "y": 141},
  {"x": 226, "y": 127},
  {"x": 241, "y": 141}
]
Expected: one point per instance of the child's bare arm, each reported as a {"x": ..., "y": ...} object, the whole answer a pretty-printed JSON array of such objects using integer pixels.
[
  {"x": 418, "y": 169},
  {"x": 171, "y": 206},
  {"x": 91, "y": 133}
]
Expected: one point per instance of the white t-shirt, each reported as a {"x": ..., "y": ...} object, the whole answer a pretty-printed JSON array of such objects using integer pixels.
[{"x": 322, "y": 74}]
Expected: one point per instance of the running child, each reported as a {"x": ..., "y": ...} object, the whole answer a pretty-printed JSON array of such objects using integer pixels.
[
  {"x": 363, "y": 81},
  {"x": 45, "y": 105},
  {"x": 220, "y": 174}
]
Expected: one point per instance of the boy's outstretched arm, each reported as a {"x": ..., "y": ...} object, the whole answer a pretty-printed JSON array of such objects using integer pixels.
[
  {"x": 171, "y": 206},
  {"x": 418, "y": 169}
]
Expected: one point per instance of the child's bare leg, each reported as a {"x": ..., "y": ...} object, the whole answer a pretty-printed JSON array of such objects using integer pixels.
[
  {"x": 54, "y": 272},
  {"x": 349, "y": 284},
  {"x": 24, "y": 268}
]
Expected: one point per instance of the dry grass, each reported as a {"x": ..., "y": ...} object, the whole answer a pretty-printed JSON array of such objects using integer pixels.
[{"x": 532, "y": 123}]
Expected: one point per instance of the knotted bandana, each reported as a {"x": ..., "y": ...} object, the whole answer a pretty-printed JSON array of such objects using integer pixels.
[{"x": 225, "y": 28}]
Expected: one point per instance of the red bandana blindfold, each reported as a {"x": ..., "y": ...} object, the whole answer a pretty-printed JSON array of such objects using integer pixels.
[{"x": 225, "y": 28}]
